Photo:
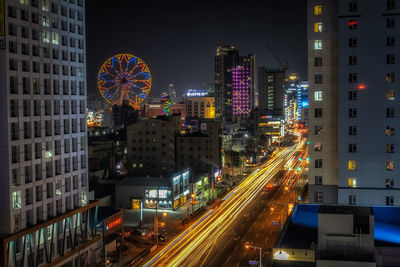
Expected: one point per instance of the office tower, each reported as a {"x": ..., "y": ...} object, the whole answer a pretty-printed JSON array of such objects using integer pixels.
[
  {"x": 271, "y": 90},
  {"x": 323, "y": 100},
  {"x": 43, "y": 149},
  {"x": 200, "y": 103},
  {"x": 302, "y": 101},
  {"x": 172, "y": 92},
  {"x": 234, "y": 84}
]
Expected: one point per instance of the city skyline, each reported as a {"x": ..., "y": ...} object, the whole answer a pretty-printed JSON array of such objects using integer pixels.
[{"x": 184, "y": 37}]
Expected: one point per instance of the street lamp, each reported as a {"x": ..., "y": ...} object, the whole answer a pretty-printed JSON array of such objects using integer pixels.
[
  {"x": 247, "y": 246},
  {"x": 164, "y": 214}
]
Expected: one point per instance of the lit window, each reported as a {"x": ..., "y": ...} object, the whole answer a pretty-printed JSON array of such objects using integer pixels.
[
  {"x": 390, "y": 165},
  {"x": 45, "y": 5},
  {"x": 317, "y": 10},
  {"x": 45, "y": 21},
  {"x": 352, "y": 182},
  {"x": 390, "y": 95},
  {"x": 24, "y": 2},
  {"x": 46, "y": 37},
  {"x": 318, "y": 44},
  {"x": 54, "y": 38},
  {"x": 389, "y": 148},
  {"x": 318, "y": 27},
  {"x": 352, "y": 165},
  {"x": 318, "y": 96},
  {"x": 352, "y": 24},
  {"x": 318, "y": 146},
  {"x": 16, "y": 199}
]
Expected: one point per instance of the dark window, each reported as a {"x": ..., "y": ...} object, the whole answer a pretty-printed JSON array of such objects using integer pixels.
[
  {"x": 390, "y": 4},
  {"x": 352, "y": 77},
  {"x": 353, "y": 42},
  {"x": 353, "y": 95},
  {"x": 352, "y": 60},
  {"x": 390, "y": 59},
  {"x": 390, "y": 23},
  {"x": 352, "y": 113},
  {"x": 390, "y": 41},
  {"x": 352, "y": 148},
  {"x": 318, "y": 113},
  {"x": 353, "y": 6},
  {"x": 353, "y": 130},
  {"x": 318, "y": 163},
  {"x": 318, "y": 180},
  {"x": 318, "y": 61},
  {"x": 390, "y": 113},
  {"x": 318, "y": 78}
]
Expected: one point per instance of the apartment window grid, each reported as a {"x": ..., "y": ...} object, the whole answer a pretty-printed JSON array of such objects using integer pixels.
[{"x": 32, "y": 85}]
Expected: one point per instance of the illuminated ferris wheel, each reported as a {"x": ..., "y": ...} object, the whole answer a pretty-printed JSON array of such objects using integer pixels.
[{"x": 124, "y": 77}]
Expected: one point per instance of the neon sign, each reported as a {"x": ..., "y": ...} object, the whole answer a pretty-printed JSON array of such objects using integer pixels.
[{"x": 114, "y": 223}]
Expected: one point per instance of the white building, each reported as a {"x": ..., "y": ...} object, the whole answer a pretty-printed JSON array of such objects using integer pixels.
[
  {"x": 353, "y": 102},
  {"x": 43, "y": 138}
]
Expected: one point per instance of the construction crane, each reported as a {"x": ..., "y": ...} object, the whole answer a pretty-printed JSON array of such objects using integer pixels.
[{"x": 283, "y": 66}]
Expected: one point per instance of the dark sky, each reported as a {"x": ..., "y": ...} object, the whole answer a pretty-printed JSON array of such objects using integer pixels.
[{"x": 177, "y": 39}]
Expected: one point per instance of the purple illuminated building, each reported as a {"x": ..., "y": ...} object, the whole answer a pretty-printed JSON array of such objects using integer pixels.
[
  {"x": 234, "y": 84},
  {"x": 241, "y": 92}
]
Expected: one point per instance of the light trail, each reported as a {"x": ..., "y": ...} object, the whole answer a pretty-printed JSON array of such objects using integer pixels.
[{"x": 188, "y": 248}]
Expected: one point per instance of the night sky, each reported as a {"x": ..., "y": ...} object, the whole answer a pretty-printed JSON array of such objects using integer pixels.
[{"x": 178, "y": 40}]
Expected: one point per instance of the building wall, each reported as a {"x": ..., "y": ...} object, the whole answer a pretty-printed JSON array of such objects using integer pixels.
[
  {"x": 199, "y": 153},
  {"x": 329, "y": 88},
  {"x": 226, "y": 59},
  {"x": 151, "y": 146},
  {"x": 202, "y": 107},
  {"x": 44, "y": 111},
  {"x": 271, "y": 90},
  {"x": 371, "y": 103}
]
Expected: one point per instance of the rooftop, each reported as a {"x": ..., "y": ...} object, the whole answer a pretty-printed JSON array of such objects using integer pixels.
[
  {"x": 146, "y": 181},
  {"x": 355, "y": 210},
  {"x": 301, "y": 229}
]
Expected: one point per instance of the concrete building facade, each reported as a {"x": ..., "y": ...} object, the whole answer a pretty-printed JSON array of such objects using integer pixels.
[
  {"x": 323, "y": 100},
  {"x": 271, "y": 90},
  {"x": 151, "y": 146},
  {"x": 368, "y": 103},
  {"x": 43, "y": 143}
]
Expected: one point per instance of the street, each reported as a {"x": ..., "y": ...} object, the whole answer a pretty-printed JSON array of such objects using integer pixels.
[{"x": 192, "y": 246}]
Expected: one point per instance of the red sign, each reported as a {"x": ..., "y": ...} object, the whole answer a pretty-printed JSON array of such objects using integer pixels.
[{"x": 114, "y": 223}]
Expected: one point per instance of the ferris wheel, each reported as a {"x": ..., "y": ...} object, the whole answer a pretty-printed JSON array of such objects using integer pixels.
[{"x": 124, "y": 77}]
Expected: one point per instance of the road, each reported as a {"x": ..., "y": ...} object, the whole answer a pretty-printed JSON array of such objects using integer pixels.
[{"x": 193, "y": 246}]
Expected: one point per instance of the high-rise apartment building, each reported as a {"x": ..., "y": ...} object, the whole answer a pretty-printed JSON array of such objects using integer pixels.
[
  {"x": 353, "y": 106},
  {"x": 44, "y": 181},
  {"x": 271, "y": 90},
  {"x": 323, "y": 100},
  {"x": 369, "y": 108},
  {"x": 234, "y": 84}
]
